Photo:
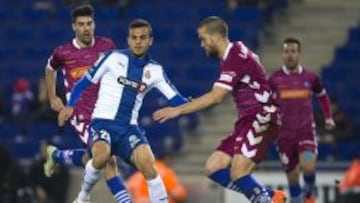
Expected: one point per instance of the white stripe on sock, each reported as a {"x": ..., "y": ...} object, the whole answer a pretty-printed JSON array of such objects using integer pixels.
[
  {"x": 124, "y": 200},
  {"x": 122, "y": 196},
  {"x": 120, "y": 193}
]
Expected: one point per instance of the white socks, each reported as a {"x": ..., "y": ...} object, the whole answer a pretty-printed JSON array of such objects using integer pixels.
[
  {"x": 90, "y": 177},
  {"x": 157, "y": 190}
]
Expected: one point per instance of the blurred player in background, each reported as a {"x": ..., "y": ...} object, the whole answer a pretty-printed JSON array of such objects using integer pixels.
[
  {"x": 350, "y": 184},
  {"x": 242, "y": 75},
  {"x": 74, "y": 59},
  {"x": 297, "y": 146},
  {"x": 125, "y": 77},
  {"x": 137, "y": 187}
]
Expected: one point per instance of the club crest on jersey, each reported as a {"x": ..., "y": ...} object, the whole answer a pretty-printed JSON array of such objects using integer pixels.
[
  {"x": 138, "y": 86},
  {"x": 306, "y": 84},
  {"x": 147, "y": 74},
  {"x": 133, "y": 140}
]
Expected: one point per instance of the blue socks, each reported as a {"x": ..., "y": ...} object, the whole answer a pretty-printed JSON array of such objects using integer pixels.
[
  {"x": 296, "y": 194},
  {"x": 118, "y": 190},
  {"x": 309, "y": 186},
  {"x": 69, "y": 157},
  {"x": 255, "y": 192},
  {"x": 222, "y": 177}
]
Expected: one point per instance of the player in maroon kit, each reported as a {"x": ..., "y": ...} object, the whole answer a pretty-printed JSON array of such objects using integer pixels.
[
  {"x": 294, "y": 86},
  {"x": 74, "y": 59},
  {"x": 243, "y": 76}
]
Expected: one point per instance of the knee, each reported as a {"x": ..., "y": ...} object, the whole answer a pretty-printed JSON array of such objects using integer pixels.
[
  {"x": 293, "y": 176},
  {"x": 148, "y": 170},
  {"x": 212, "y": 167},
  {"x": 235, "y": 174},
  {"x": 99, "y": 160},
  {"x": 111, "y": 168},
  {"x": 238, "y": 172},
  {"x": 146, "y": 166},
  {"x": 308, "y": 162},
  {"x": 308, "y": 168},
  {"x": 101, "y": 155}
]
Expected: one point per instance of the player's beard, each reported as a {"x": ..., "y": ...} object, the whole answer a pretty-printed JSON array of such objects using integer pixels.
[
  {"x": 86, "y": 39},
  {"x": 292, "y": 65},
  {"x": 213, "y": 52}
]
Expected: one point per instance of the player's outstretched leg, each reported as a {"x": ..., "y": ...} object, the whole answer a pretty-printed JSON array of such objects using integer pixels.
[
  {"x": 91, "y": 175},
  {"x": 308, "y": 163},
  {"x": 79, "y": 157},
  {"x": 114, "y": 182},
  {"x": 143, "y": 159},
  {"x": 218, "y": 171},
  {"x": 222, "y": 177},
  {"x": 240, "y": 174},
  {"x": 101, "y": 155},
  {"x": 294, "y": 186},
  {"x": 68, "y": 157}
]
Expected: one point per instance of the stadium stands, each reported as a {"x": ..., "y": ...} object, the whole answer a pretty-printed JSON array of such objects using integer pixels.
[{"x": 341, "y": 78}]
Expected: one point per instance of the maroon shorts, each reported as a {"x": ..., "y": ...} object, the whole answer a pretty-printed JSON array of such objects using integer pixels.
[
  {"x": 81, "y": 126},
  {"x": 292, "y": 143},
  {"x": 250, "y": 139}
]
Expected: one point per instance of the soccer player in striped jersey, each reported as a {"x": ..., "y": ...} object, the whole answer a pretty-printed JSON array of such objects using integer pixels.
[
  {"x": 125, "y": 76},
  {"x": 294, "y": 87}
]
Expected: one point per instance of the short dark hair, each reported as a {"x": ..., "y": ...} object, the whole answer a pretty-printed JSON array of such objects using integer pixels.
[
  {"x": 82, "y": 10},
  {"x": 215, "y": 24},
  {"x": 139, "y": 22},
  {"x": 291, "y": 40}
]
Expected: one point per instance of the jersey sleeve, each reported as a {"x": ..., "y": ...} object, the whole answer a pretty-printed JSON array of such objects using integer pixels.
[
  {"x": 100, "y": 67},
  {"x": 77, "y": 90},
  {"x": 112, "y": 45},
  {"x": 163, "y": 84},
  {"x": 55, "y": 61},
  {"x": 230, "y": 75},
  {"x": 317, "y": 87}
]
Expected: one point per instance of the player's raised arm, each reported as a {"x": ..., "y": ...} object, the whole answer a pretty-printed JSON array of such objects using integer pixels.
[
  {"x": 211, "y": 98},
  {"x": 166, "y": 88}
]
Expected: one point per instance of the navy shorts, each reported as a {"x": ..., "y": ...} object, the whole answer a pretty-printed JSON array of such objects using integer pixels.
[{"x": 123, "y": 139}]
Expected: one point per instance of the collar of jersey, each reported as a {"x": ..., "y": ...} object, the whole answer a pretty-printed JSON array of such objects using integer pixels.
[
  {"x": 287, "y": 72},
  {"x": 140, "y": 62}
]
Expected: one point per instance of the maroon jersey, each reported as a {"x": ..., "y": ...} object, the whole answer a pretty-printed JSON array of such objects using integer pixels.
[
  {"x": 257, "y": 126},
  {"x": 242, "y": 73},
  {"x": 293, "y": 94},
  {"x": 74, "y": 62}
]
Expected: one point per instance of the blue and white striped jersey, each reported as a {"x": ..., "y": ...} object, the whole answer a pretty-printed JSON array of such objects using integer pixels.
[{"x": 124, "y": 81}]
